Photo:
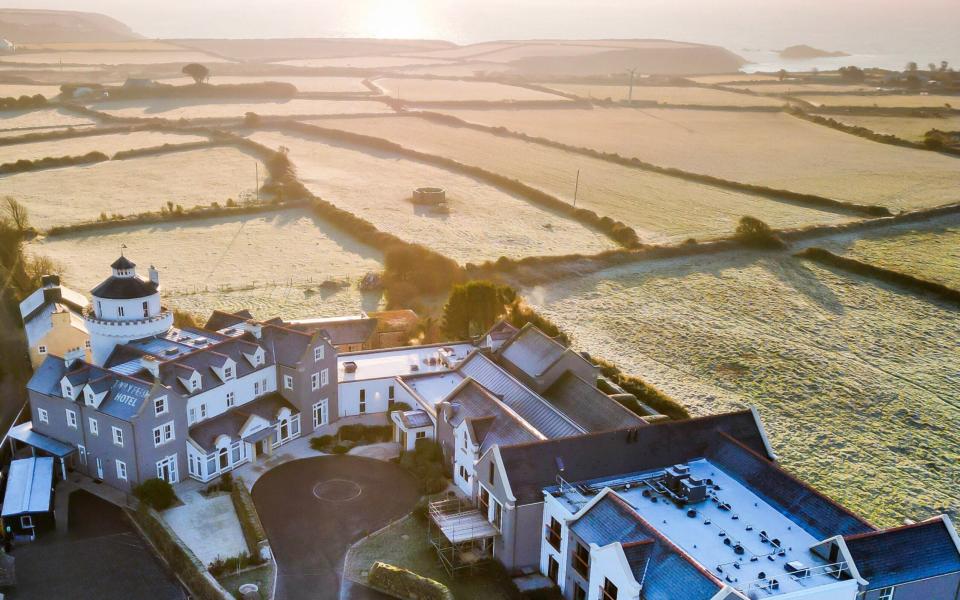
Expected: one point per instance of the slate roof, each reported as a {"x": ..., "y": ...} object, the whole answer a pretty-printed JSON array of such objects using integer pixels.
[
  {"x": 340, "y": 332},
  {"x": 471, "y": 401},
  {"x": 530, "y": 406},
  {"x": 122, "y": 263},
  {"x": 221, "y": 320},
  {"x": 501, "y": 331},
  {"x": 532, "y": 467},
  {"x": 29, "y": 486},
  {"x": 205, "y": 433},
  {"x": 203, "y": 361},
  {"x": 125, "y": 395},
  {"x": 124, "y": 398},
  {"x": 286, "y": 345},
  {"x": 665, "y": 572},
  {"x": 125, "y": 288},
  {"x": 795, "y": 499},
  {"x": 587, "y": 406},
  {"x": 905, "y": 554},
  {"x": 414, "y": 419},
  {"x": 46, "y": 296},
  {"x": 532, "y": 351}
]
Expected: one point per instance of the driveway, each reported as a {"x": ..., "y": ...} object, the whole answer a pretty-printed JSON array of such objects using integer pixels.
[
  {"x": 314, "y": 509},
  {"x": 100, "y": 558}
]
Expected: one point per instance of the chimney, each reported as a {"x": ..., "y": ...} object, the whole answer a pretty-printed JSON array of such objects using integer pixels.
[
  {"x": 50, "y": 281},
  {"x": 446, "y": 410},
  {"x": 150, "y": 364},
  {"x": 73, "y": 356},
  {"x": 154, "y": 275}
]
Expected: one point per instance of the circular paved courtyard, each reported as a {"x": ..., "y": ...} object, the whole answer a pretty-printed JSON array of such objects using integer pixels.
[{"x": 314, "y": 509}]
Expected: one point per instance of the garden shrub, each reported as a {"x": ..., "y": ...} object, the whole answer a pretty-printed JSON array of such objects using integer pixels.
[
  {"x": 155, "y": 493},
  {"x": 323, "y": 443},
  {"x": 425, "y": 463},
  {"x": 402, "y": 583}
]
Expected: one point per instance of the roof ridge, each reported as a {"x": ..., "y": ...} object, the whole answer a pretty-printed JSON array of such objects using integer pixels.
[{"x": 908, "y": 526}]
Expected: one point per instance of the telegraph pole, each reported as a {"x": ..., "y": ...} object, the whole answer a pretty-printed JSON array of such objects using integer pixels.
[
  {"x": 632, "y": 73},
  {"x": 256, "y": 187},
  {"x": 576, "y": 189}
]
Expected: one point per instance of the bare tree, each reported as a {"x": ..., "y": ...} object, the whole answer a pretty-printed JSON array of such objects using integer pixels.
[{"x": 16, "y": 213}]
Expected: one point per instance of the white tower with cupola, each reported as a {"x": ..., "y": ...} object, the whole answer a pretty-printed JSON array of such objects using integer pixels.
[{"x": 125, "y": 307}]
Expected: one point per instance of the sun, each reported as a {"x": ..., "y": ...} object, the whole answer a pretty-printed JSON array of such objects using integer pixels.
[{"x": 395, "y": 19}]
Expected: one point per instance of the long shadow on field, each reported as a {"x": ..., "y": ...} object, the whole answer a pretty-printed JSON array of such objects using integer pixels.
[{"x": 314, "y": 509}]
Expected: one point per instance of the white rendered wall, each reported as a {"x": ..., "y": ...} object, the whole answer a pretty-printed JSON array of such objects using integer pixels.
[
  {"x": 377, "y": 391},
  {"x": 242, "y": 387},
  {"x": 610, "y": 563},
  {"x": 553, "y": 509},
  {"x": 464, "y": 457}
]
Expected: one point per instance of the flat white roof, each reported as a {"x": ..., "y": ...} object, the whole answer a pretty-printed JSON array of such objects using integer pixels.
[
  {"x": 434, "y": 388},
  {"x": 732, "y": 515},
  {"x": 382, "y": 364}
]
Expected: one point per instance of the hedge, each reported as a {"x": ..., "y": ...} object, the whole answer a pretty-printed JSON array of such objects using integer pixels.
[
  {"x": 50, "y": 162},
  {"x": 184, "y": 563},
  {"x": 253, "y": 531},
  {"x": 405, "y": 584}
]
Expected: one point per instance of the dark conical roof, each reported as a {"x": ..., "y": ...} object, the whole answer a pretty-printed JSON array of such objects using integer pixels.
[{"x": 122, "y": 263}]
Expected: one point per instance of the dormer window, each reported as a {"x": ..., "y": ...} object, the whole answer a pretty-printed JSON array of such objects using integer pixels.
[
  {"x": 68, "y": 390},
  {"x": 228, "y": 372},
  {"x": 195, "y": 384},
  {"x": 88, "y": 396}
]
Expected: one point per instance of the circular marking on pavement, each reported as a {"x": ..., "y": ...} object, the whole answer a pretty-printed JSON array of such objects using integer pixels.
[{"x": 337, "y": 490}]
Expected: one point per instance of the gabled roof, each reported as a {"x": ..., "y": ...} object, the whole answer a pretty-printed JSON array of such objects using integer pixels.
[
  {"x": 205, "y": 433},
  {"x": 587, "y": 406},
  {"x": 530, "y": 406},
  {"x": 609, "y": 521},
  {"x": 221, "y": 320},
  {"x": 905, "y": 554},
  {"x": 532, "y": 351},
  {"x": 286, "y": 345},
  {"x": 29, "y": 486},
  {"x": 532, "y": 467},
  {"x": 501, "y": 330},
  {"x": 471, "y": 401},
  {"x": 203, "y": 361},
  {"x": 340, "y": 331}
]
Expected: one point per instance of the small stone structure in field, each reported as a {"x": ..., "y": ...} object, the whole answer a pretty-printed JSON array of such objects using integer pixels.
[{"x": 433, "y": 196}]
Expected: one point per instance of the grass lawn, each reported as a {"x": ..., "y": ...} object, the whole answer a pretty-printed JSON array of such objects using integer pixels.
[
  {"x": 262, "y": 576},
  {"x": 404, "y": 544}
]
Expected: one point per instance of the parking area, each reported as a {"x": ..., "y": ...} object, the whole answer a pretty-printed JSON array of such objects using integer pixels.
[
  {"x": 314, "y": 509},
  {"x": 101, "y": 557}
]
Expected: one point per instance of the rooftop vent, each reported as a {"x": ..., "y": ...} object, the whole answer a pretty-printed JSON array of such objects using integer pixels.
[{"x": 350, "y": 367}]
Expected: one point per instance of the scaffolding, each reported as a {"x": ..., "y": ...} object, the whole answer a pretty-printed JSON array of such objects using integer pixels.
[{"x": 460, "y": 533}]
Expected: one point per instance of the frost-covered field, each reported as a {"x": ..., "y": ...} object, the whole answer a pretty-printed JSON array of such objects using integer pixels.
[
  {"x": 109, "y": 144},
  {"x": 929, "y": 251},
  {"x": 302, "y": 83},
  {"x": 272, "y": 263},
  {"x": 908, "y": 128},
  {"x": 887, "y": 100},
  {"x": 659, "y": 207},
  {"x": 96, "y": 57},
  {"x": 16, "y": 90},
  {"x": 432, "y": 90},
  {"x": 223, "y": 109},
  {"x": 857, "y": 384},
  {"x": 35, "y": 119},
  {"x": 693, "y": 96},
  {"x": 799, "y": 88},
  {"x": 772, "y": 149},
  {"x": 362, "y": 62},
  {"x": 483, "y": 223},
  {"x": 81, "y": 193}
]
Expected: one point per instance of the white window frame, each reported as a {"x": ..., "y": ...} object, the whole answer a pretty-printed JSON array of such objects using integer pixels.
[
  {"x": 228, "y": 372},
  {"x": 321, "y": 409},
  {"x": 324, "y": 377},
  {"x": 43, "y": 415},
  {"x": 121, "y": 470},
  {"x": 71, "y": 419},
  {"x": 192, "y": 416},
  {"x": 120, "y": 311},
  {"x": 26, "y": 522},
  {"x": 496, "y": 513},
  {"x": 163, "y": 434},
  {"x": 315, "y": 382},
  {"x": 318, "y": 353},
  {"x": 203, "y": 410},
  {"x": 886, "y": 593},
  {"x": 422, "y": 435},
  {"x": 256, "y": 388},
  {"x": 42, "y": 349},
  {"x": 231, "y": 399},
  {"x": 117, "y": 435},
  {"x": 160, "y": 406},
  {"x": 94, "y": 426},
  {"x": 288, "y": 382},
  {"x": 86, "y": 344}
]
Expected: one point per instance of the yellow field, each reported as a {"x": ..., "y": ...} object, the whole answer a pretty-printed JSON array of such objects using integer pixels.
[
  {"x": 886, "y": 101},
  {"x": 111, "y": 58},
  {"x": 16, "y": 90},
  {"x": 483, "y": 223},
  {"x": 433, "y": 90},
  {"x": 36, "y": 119},
  {"x": 81, "y": 193},
  {"x": 775, "y": 149},
  {"x": 661, "y": 208},
  {"x": 688, "y": 96},
  {"x": 302, "y": 83},
  {"x": 908, "y": 128},
  {"x": 224, "y": 109},
  {"x": 272, "y": 263},
  {"x": 109, "y": 144}
]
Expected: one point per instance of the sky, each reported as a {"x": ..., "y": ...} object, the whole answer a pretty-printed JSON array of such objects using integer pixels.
[{"x": 856, "y": 26}]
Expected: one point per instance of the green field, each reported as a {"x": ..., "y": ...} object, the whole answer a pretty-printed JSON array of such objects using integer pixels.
[{"x": 858, "y": 384}]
